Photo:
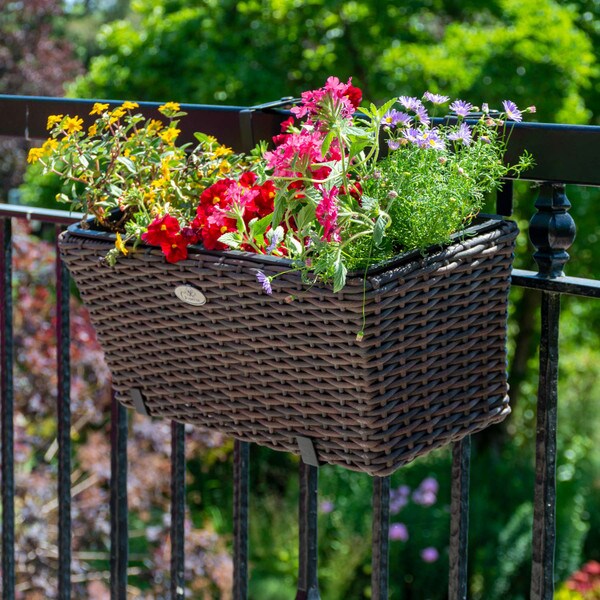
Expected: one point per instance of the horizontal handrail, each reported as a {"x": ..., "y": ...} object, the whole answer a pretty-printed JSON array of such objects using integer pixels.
[{"x": 563, "y": 153}]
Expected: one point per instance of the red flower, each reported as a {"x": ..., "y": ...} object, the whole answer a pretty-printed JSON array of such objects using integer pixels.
[
  {"x": 175, "y": 250},
  {"x": 161, "y": 230},
  {"x": 264, "y": 200},
  {"x": 216, "y": 194},
  {"x": 191, "y": 235},
  {"x": 215, "y": 226},
  {"x": 248, "y": 179},
  {"x": 287, "y": 124},
  {"x": 354, "y": 95}
]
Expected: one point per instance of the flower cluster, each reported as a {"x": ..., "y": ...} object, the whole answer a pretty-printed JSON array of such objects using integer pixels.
[
  {"x": 424, "y": 495},
  {"x": 343, "y": 187},
  {"x": 585, "y": 582}
]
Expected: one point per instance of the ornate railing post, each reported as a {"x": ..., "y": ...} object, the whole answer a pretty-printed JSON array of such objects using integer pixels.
[{"x": 552, "y": 231}]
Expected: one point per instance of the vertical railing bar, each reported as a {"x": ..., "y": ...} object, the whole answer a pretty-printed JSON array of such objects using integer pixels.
[
  {"x": 7, "y": 400},
  {"x": 308, "y": 584},
  {"x": 241, "y": 464},
  {"x": 544, "y": 510},
  {"x": 177, "y": 510},
  {"x": 119, "y": 543},
  {"x": 63, "y": 366},
  {"x": 459, "y": 519},
  {"x": 380, "y": 538},
  {"x": 504, "y": 198}
]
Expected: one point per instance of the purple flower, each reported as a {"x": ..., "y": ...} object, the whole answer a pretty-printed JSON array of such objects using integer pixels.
[
  {"x": 435, "y": 98},
  {"x": 462, "y": 134},
  {"x": 421, "y": 114},
  {"x": 399, "y": 499},
  {"x": 326, "y": 506},
  {"x": 265, "y": 281},
  {"x": 424, "y": 498},
  {"x": 412, "y": 135},
  {"x": 274, "y": 241},
  {"x": 430, "y": 139},
  {"x": 511, "y": 110},
  {"x": 403, "y": 118},
  {"x": 410, "y": 102},
  {"x": 398, "y": 532},
  {"x": 430, "y": 554},
  {"x": 485, "y": 108},
  {"x": 461, "y": 108},
  {"x": 391, "y": 118},
  {"x": 393, "y": 144},
  {"x": 430, "y": 484}
]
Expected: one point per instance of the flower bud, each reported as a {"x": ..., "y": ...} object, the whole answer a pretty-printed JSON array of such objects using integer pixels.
[{"x": 392, "y": 194}]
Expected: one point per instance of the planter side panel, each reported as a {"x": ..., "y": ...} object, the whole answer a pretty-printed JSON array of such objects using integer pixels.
[{"x": 430, "y": 369}]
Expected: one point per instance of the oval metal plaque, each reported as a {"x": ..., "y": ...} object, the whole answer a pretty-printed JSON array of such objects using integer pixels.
[{"x": 190, "y": 295}]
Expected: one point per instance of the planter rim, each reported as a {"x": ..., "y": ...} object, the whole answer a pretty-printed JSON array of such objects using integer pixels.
[{"x": 483, "y": 223}]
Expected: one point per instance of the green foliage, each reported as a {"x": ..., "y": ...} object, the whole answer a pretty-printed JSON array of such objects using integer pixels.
[
  {"x": 542, "y": 52},
  {"x": 279, "y": 47}
]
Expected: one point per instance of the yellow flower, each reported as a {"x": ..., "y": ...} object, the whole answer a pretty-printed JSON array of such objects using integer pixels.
[
  {"x": 72, "y": 125},
  {"x": 49, "y": 146},
  {"x": 98, "y": 108},
  {"x": 223, "y": 151},
  {"x": 129, "y": 105},
  {"x": 92, "y": 130},
  {"x": 35, "y": 154},
  {"x": 211, "y": 139},
  {"x": 154, "y": 125},
  {"x": 120, "y": 246},
  {"x": 149, "y": 197},
  {"x": 224, "y": 168},
  {"x": 53, "y": 120},
  {"x": 168, "y": 136},
  {"x": 116, "y": 114},
  {"x": 169, "y": 107},
  {"x": 159, "y": 183},
  {"x": 165, "y": 170}
]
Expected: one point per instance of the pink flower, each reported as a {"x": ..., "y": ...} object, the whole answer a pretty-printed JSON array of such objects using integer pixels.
[
  {"x": 429, "y": 555},
  {"x": 398, "y": 532},
  {"x": 344, "y": 97},
  {"x": 327, "y": 214},
  {"x": 300, "y": 149}
]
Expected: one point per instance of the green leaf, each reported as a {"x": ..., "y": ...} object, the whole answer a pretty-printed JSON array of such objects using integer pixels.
[
  {"x": 231, "y": 239},
  {"x": 127, "y": 163},
  {"x": 281, "y": 202},
  {"x": 379, "y": 229},
  {"x": 369, "y": 203},
  {"x": 259, "y": 227},
  {"x": 339, "y": 274},
  {"x": 305, "y": 216},
  {"x": 201, "y": 137},
  {"x": 293, "y": 243},
  {"x": 327, "y": 142},
  {"x": 387, "y": 106}
]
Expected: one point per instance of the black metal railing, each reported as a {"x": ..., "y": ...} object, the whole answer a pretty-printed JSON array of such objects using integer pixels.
[{"x": 563, "y": 154}]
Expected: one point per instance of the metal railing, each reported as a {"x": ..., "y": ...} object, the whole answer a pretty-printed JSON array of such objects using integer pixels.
[{"x": 563, "y": 153}]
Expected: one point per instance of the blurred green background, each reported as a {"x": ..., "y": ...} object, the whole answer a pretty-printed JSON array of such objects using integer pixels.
[{"x": 541, "y": 52}]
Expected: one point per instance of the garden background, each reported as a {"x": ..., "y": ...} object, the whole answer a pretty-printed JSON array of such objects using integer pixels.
[{"x": 542, "y": 52}]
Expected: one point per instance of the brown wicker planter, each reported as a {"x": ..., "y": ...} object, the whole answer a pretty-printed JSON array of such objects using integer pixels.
[{"x": 430, "y": 370}]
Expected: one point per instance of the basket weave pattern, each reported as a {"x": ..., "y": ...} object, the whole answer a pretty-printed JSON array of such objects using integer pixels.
[{"x": 430, "y": 370}]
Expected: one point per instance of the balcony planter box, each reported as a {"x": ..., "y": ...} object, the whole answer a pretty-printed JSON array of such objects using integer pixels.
[{"x": 200, "y": 343}]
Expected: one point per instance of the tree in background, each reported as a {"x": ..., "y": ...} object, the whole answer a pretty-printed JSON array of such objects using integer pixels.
[
  {"x": 256, "y": 50},
  {"x": 34, "y": 60},
  {"x": 543, "y": 52}
]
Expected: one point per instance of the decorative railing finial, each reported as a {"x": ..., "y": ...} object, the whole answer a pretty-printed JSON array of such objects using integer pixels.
[{"x": 552, "y": 229}]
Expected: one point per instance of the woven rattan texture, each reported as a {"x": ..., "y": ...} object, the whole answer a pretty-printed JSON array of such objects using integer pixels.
[{"x": 430, "y": 369}]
